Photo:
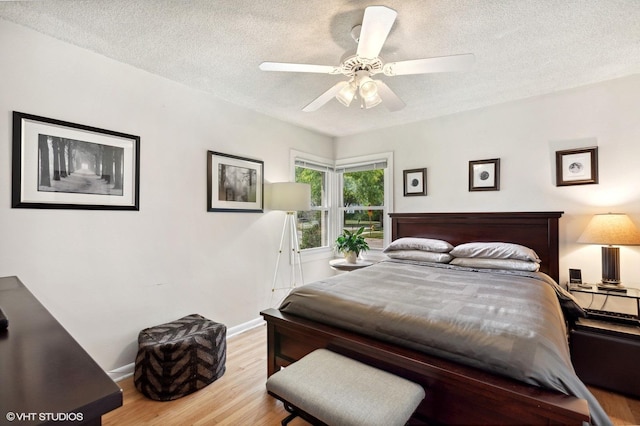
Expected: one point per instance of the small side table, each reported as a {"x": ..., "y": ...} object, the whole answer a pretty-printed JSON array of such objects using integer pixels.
[
  {"x": 597, "y": 300},
  {"x": 343, "y": 265}
]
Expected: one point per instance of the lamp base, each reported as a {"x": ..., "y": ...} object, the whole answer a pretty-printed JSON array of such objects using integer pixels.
[
  {"x": 612, "y": 287},
  {"x": 610, "y": 265}
]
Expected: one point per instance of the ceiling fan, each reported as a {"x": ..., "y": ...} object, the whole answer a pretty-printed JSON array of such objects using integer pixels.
[{"x": 373, "y": 32}]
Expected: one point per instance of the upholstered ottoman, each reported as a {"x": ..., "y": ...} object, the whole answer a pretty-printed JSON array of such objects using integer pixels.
[{"x": 180, "y": 357}]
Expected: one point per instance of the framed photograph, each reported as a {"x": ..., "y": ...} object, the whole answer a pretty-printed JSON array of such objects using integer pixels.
[
  {"x": 62, "y": 165},
  {"x": 484, "y": 175},
  {"x": 577, "y": 166},
  {"x": 415, "y": 182},
  {"x": 234, "y": 184}
]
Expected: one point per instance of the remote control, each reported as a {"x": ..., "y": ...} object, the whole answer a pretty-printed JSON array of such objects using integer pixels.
[{"x": 4, "y": 322}]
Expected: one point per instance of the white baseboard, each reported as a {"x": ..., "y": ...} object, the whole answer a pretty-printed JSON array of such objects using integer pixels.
[
  {"x": 125, "y": 371},
  {"x": 233, "y": 331},
  {"x": 122, "y": 373}
]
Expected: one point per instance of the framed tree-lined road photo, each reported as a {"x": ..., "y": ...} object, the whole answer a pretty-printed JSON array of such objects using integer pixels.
[{"x": 63, "y": 165}]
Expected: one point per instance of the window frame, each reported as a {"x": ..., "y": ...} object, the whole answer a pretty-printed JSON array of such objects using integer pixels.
[
  {"x": 388, "y": 191},
  {"x": 323, "y": 252},
  {"x": 334, "y": 197}
]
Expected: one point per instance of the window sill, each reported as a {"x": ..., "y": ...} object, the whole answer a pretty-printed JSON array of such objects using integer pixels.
[{"x": 320, "y": 253}]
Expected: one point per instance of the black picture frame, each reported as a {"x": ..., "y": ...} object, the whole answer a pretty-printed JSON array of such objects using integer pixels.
[
  {"x": 61, "y": 165},
  {"x": 577, "y": 166},
  {"x": 484, "y": 175},
  {"x": 415, "y": 182},
  {"x": 234, "y": 184}
]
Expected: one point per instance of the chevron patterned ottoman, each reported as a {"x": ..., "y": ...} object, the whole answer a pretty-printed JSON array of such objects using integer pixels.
[{"x": 180, "y": 357}]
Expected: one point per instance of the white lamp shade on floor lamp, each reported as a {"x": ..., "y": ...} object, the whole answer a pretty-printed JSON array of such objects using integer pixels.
[
  {"x": 290, "y": 197},
  {"x": 608, "y": 230}
]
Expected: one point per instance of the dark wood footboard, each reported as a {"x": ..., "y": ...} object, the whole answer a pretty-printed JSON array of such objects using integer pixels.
[{"x": 456, "y": 394}]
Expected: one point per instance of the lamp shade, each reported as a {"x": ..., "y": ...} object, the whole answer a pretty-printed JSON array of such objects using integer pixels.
[
  {"x": 347, "y": 93},
  {"x": 610, "y": 229},
  {"x": 290, "y": 196}
]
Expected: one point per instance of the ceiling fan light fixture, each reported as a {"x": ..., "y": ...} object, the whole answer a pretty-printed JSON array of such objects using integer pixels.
[
  {"x": 368, "y": 88},
  {"x": 371, "y": 101},
  {"x": 347, "y": 93}
]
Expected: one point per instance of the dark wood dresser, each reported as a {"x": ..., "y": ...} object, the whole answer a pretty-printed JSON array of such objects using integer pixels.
[{"x": 45, "y": 375}]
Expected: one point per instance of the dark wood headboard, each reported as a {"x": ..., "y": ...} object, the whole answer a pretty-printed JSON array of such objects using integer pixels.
[{"x": 536, "y": 230}]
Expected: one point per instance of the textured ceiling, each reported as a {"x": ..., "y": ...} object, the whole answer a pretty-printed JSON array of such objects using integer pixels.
[{"x": 523, "y": 48}]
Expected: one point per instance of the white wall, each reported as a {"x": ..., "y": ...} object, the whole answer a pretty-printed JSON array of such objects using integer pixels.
[
  {"x": 107, "y": 274},
  {"x": 525, "y": 136}
]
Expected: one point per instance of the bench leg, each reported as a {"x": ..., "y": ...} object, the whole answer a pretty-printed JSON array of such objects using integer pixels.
[
  {"x": 287, "y": 419},
  {"x": 290, "y": 417}
]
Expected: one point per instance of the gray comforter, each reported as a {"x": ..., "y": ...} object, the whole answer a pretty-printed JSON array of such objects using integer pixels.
[{"x": 509, "y": 323}]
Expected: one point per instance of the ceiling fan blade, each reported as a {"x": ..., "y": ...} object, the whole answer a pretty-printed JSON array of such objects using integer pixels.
[
  {"x": 389, "y": 99},
  {"x": 430, "y": 65},
  {"x": 283, "y": 66},
  {"x": 325, "y": 97},
  {"x": 376, "y": 24}
]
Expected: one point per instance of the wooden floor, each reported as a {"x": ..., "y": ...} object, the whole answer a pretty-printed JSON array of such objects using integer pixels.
[{"x": 239, "y": 397}]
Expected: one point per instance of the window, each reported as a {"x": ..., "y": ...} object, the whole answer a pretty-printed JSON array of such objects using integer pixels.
[
  {"x": 365, "y": 198},
  {"x": 313, "y": 225},
  {"x": 349, "y": 194}
]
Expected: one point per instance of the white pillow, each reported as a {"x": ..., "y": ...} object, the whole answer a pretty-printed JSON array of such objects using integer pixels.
[
  {"x": 495, "y": 251},
  {"x": 511, "y": 264},
  {"x": 421, "y": 256},
  {"x": 424, "y": 244}
]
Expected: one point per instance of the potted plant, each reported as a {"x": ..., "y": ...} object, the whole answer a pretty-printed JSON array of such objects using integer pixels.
[{"x": 351, "y": 243}]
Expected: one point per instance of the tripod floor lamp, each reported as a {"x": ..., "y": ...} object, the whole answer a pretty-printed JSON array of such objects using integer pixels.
[{"x": 289, "y": 197}]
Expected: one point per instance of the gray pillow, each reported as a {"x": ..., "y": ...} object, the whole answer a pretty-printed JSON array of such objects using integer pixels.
[
  {"x": 510, "y": 264},
  {"x": 420, "y": 256},
  {"x": 495, "y": 251},
  {"x": 424, "y": 244}
]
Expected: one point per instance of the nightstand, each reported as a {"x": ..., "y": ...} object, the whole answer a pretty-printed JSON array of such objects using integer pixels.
[
  {"x": 605, "y": 346},
  {"x": 606, "y": 354},
  {"x": 343, "y": 265},
  {"x": 612, "y": 306}
]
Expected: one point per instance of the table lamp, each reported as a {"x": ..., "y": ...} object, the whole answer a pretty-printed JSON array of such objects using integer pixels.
[
  {"x": 289, "y": 197},
  {"x": 608, "y": 230}
]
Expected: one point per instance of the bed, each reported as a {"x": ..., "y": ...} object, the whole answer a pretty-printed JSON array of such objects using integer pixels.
[{"x": 458, "y": 392}]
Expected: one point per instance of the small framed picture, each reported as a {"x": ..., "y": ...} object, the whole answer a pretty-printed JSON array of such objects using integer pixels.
[
  {"x": 234, "y": 184},
  {"x": 577, "y": 166},
  {"x": 63, "y": 165},
  {"x": 415, "y": 182},
  {"x": 484, "y": 175}
]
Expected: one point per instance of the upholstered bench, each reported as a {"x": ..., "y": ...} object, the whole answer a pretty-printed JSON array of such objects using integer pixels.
[
  {"x": 326, "y": 388},
  {"x": 180, "y": 357}
]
